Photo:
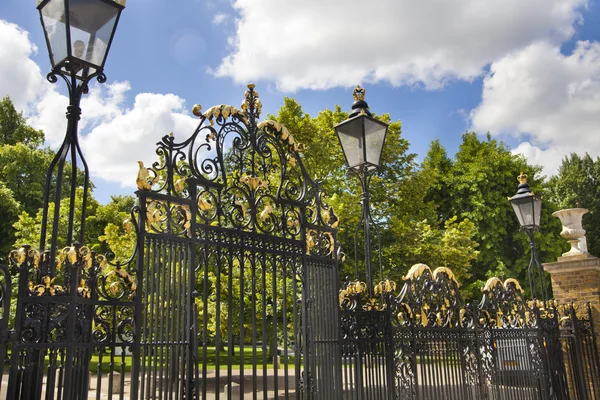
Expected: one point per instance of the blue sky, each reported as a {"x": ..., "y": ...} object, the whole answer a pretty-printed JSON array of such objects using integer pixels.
[{"x": 527, "y": 71}]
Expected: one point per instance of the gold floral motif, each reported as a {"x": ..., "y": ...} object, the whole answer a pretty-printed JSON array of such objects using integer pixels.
[
  {"x": 416, "y": 271},
  {"x": 282, "y": 131},
  {"x": 254, "y": 182},
  {"x": 24, "y": 253},
  {"x": 197, "y": 110},
  {"x": 386, "y": 286},
  {"x": 448, "y": 272},
  {"x": 241, "y": 204},
  {"x": 257, "y": 103},
  {"x": 515, "y": 282},
  {"x": 264, "y": 215},
  {"x": 83, "y": 289},
  {"x": 311, "y": 236},
  {"x": 180, "y": 185},
  {"x": 153, "y": 213},
  {"x": 204, "y": 204},
  {"x": 224, "y": 111},
  {"x": 47, "y": 287},
  {"x": 292, "y": 222},
  {"x": 373, "y": 304},
  {"x": 491, "y": 283},
  {"x": 127, "y": 225},
  {"x": 144, "y": 181}
]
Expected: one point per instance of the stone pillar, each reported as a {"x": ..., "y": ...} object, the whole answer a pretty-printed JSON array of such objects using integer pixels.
[{"x": 576, "y": 275}]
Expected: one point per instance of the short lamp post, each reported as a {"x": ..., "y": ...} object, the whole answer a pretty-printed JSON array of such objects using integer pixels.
[
  {"x": 362, "y": 138},
  {"x": 79, "y": 34},
  {"x": 528, "y": 208}
]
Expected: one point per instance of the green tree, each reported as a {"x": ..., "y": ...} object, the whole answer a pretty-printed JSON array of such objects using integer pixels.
[
  {"x": 398, "y": 197},
  {"x": 14, "y": 128},
  {"x": 9, "y": 211},
  {"x": 475, "y": 186},
  {"x": 577, "y": 184}
]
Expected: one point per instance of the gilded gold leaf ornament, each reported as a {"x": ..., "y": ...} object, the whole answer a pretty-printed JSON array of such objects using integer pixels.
[
  {"x": 515, "y": 282},
  {"x": 268, "y": 210},
  {"x": 204, "y": 204},
  {"x": 291, "y": 160},
  {"x": 72, "y": 255},
  {"x": 241, "y": 204},
  {"x": 127, "y": 225},
  {"x": 144, "y": 181},
  {"x": 197, "y": 110},
  {"x": 292, "y": 222},
  {"x": 84, "y": 290},
  {"x": 20, "y": 255},
  {"x": 446, "y": 271},
  {"x": 491, "y": 283},
  {"x": 180, "y": 185},
  {"x": 416, "y": 271},
  {"x": 299, "y": 147}
]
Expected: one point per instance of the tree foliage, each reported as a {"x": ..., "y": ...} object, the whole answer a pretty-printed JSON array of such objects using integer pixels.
[
  {"x": 577, "y": 184},
  {"x": 474, "y": 186},
  {"x": 406, "y": 220}
]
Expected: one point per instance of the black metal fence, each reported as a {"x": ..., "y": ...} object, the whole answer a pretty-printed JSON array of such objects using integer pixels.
[{"x": 426, "y": 343}]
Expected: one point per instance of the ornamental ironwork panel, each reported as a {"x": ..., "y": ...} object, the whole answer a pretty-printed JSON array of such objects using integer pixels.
[
  {"x": 237, "y": 262},
  {"x": 426, "y": 343}
]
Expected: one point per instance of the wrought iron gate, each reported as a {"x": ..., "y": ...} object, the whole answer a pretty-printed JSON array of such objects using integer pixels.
[
  {"x": 231, "y": 290},
  {"x": 238, "y": 264}
]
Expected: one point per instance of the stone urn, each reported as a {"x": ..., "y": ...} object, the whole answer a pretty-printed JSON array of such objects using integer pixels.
[{"x": 572, "y": 230}]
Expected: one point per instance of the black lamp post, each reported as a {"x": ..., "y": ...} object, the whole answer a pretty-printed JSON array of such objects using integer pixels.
[
  {"x": 79, "y": 34},
  {"x": 362, "y": 138},
  {"x": 528, "y": 208}
]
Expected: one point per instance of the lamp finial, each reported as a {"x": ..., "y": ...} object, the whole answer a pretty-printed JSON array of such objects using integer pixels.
[
  {"x": 359, "y": 93},
  {"x": 522, "y": 178}
]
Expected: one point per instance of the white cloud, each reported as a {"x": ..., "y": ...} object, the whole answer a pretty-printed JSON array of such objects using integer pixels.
[
  {"x": 113, "y": 137},
  {"x": 21, "y": 78},
  {"x": 112, "y": 148},
  {"x": 220, "y": 18},
  {"x": 552, "y": 98},
  {"x": 322, "y": 44}
]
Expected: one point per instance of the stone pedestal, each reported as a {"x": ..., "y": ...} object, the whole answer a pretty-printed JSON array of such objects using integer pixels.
[{"x": 576, "y": 279}]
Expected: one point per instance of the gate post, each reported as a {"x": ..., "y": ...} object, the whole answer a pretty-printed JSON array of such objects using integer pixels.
[
  {"x": 576, "y": 280},
  {"x": 576, "y": 275}
]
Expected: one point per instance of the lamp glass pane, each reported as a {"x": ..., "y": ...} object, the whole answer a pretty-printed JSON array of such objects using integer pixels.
[
  {"x": 92, "y": 25},
  {"x": 352, "y": 141},
  {"x": 524, "y": 210},
  {"x": 375, "y": 132},
  {"x": 537, "y": 210},
  {"x": 53, "y": 18}
]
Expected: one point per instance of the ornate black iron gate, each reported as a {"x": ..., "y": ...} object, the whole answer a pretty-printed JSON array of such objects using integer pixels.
[
  {"x": 231, "y": 290},
  {"x": 237, "y": 266}
]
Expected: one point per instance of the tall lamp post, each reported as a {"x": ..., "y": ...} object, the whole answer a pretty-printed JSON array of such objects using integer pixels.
[
  {"x": 79, "y": 34},
  {"x": 528, "y": 208},
  {"x": 362, "y": 138}
]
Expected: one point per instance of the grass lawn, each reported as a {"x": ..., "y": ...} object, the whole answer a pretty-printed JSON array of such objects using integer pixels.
[{"x": 211, "y": 360}]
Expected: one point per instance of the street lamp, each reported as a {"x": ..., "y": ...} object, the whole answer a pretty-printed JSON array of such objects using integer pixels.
[
  {"x": 362, "y": 138},
  {"x": 528, "y": 208},
  {"x": 78, "y": 34}
]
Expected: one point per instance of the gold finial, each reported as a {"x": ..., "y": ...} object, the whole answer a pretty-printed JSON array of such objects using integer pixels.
[
  {"x": 197, "y": 110},
  {"x": 522, "y": 178},
  {"x": 251, "y": 86},
  {"x": 359, "y": 93}
]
